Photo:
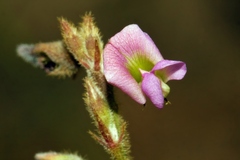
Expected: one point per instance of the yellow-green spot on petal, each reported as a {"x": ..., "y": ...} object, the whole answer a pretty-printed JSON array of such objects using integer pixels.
[{"x": 138, "y": 61}]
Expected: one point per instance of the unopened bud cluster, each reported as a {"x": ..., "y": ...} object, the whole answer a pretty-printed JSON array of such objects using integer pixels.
[{"x": 82, "y": 46}]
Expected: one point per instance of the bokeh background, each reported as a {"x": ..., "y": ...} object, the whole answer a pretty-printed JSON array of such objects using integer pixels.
[{"x": 40, "y": 113}]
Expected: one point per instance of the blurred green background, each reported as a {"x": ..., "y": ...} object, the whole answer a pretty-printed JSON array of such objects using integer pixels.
[{"x": 40, "y": 113}]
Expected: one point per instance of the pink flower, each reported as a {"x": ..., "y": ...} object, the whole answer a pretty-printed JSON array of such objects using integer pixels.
[{"x": 133, "y": 63}]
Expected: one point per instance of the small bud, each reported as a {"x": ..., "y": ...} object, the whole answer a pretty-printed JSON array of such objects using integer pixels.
[
  {"x": 92, "y": 38},
  {"x": 84, "y": 43},
  {"x": 75, "y": 43},
  {"x": 51, "y": 57},
  {"x": 57, "y": 156}
]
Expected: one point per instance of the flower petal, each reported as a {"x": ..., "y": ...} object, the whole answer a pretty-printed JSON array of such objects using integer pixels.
[
  {"x": 170, "y": 70},
  {"x": 151, "y": 86},
  {"x": 120, "y": 54},
  {"x": 117, "y": 74},
  {"x": 132, "y": 39}
]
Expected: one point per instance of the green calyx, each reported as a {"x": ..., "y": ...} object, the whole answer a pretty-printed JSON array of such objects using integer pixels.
[
  {"x": 138, "y": 61},
  {"x": 165, "y": 89}
]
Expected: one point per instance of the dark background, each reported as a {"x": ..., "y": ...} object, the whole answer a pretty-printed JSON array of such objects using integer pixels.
[{"x": 41, "y": 113}]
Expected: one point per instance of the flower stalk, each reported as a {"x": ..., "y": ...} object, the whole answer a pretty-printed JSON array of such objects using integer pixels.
[
  {"x": 86, "y": 46},
  {"x": 82, "y": 46}
]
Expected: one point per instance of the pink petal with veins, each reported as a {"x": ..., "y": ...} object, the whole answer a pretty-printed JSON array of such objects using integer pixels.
[
  {"x": 172, "y": 70},
  {"x": 151, "y": 87},
  {"x": 133, "y": 40},
  {"x": 117, "y": 74}
]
